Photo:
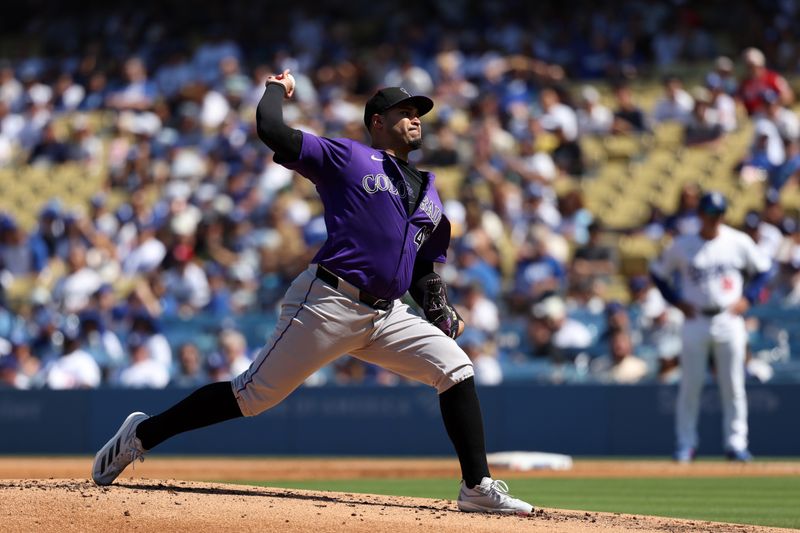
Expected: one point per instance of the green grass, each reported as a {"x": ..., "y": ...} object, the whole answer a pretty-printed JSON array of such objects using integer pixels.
[{"x": 766, "y": 501}]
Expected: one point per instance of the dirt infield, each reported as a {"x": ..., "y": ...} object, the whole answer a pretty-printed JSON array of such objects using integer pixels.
[{"x": 54, "y": 494}]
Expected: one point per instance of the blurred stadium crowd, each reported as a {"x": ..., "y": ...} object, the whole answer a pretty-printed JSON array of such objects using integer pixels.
[{"x": 147, "y": 236}]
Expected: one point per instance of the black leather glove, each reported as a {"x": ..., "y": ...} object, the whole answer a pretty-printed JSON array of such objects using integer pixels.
[{"x": 436, "y": 308}]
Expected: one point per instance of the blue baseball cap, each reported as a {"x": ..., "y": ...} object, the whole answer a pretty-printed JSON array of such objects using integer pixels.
[
  {"x": 713, "y": 203},
  {"x": 637, "y": 283},
  {"x": 714, "y": 81},
  {"x": 613, "y": 307},
  {"x": 772, "y": 196},
  {"x": 135, "y": 340},
  {"x": 752, "y": 220}
]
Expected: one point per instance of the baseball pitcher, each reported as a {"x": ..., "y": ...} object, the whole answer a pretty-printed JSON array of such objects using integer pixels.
[{"x": 386, "y": 229}]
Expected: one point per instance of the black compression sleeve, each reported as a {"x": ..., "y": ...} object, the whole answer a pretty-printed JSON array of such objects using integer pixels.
[
  {"x": 207, "y": 405},
  {"x": 286, "y": 142},
  {"x": 422, "y": 272},
  {"x": 461, "y": 412}
]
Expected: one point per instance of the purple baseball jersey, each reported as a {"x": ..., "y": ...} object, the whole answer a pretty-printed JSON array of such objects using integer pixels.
[{"x": 372, "y": 241}]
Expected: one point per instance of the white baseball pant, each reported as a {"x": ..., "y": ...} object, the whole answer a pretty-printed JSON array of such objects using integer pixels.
[
  {"x": 318, "y": 324},
  {"x": 725, "y": 337}
]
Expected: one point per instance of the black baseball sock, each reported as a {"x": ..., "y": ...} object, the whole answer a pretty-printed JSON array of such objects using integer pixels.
[
  {"x": 461, "y": 413},
  {"x": 207, "y": 405}
]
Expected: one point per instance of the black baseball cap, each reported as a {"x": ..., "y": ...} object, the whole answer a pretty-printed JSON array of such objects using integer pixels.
[
  {"x": 713, "y": 203},
  {"x": 392, "y": 96}
]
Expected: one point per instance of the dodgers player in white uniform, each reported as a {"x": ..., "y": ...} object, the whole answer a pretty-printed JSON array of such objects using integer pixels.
[
  {"x": 714, "y": 277},
  {"x": 386, "y": 229}
]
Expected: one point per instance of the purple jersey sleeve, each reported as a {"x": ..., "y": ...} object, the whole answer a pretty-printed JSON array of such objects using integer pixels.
[
  {"x": 321, "y": 158},
  {"x": 435, "y": 248}
]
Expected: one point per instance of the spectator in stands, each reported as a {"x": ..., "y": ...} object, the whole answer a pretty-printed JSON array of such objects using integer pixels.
[
  {"x": 788, "y": 172},
  {"x": 785, "y": 119},
  {"x": 702, "y": 127},
  {"x": 787, "y": 283},
  {"x": 766, "y": 153},
  {"x": 556, "y": 116},
  {"x": 620, "y": 365},
  {"x": 44, "y": 332},
  {"x": 722, "y": 102},
  {"x": 656, "y": 328},
  {"x": 84, "y": 145},
  {"x": 552, "y": 333},
  {"x": 143, "y": 372},
  {"x": 175, "y": 74},
  {"x": 441, "y": 146},
  {"x": 537, "y": 272},
  {"x": 773, "y": 212},
  {"x": 483, "y": 354},
  {"x": 537, "y": 209},
  {"x": 101, "y": 343},
  {"x": 586, "y": 295},
  {"x": 11, "y": 90},
  {"x": 147, "y": 253},
  {"x": 593, "y": 117},
  {"x": 9, "y": 373},
  {"x": 479, "y": 311},
  {"x": 28, "y": 365},
  {"x": 96, "y": 92},
  {"x": 72, "y": 291},
  {"x": 16, "y": 254},
  {"x": 595, "y": 259},
  {"x": 101, "y": 218},
  {"x": 684, "y": 220},
  {"x": 617, "y": 318},
  {"x": 75, "y": 369},
  {"x": 233, "y": 347},
  {"x": 415, "y": 79},
  {"x": 472, "y": 251},
  {"x": 723, "y": 68},
  {"x": 49, "y": 149},
  {"x": 138, "y": 92},
  {"x": 50, "y": 230},
  {"x": 759, "y": 79},
  {"x": 676, "y": 104},
  {"x": 534, "y": 166},
  {"x": 575, "y": 218},
  {"x": 219, "y": 302},
  {"x": 628, "y": 117},
  {"x": 568, "y": 155},
  {"x": 147, "y": 327},
  {"x": 190, "y": 373},
  {"x": 186, "y": 282},
  {"x": 765, "y": 235}
]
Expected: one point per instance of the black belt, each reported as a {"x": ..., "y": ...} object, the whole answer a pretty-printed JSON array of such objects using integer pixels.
[
  {"x": 364, "y": 297},
  {"x": 711, "y": 311}
]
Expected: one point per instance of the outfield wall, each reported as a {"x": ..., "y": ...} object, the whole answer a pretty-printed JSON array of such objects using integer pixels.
[{"x": 579, "y": 420}]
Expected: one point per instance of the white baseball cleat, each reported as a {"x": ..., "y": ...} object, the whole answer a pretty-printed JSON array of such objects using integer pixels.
[
  {"x": 123, "y": 449},
  {"x": 491, "y": 496}
]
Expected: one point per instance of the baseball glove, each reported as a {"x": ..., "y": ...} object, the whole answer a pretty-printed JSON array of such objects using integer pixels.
[{"x": 436, "y": 308}]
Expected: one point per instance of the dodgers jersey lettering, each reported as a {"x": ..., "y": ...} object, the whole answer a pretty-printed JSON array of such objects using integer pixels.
[
  {"x": 372, "y": 241},
  {"x": 711, "y": 272}
]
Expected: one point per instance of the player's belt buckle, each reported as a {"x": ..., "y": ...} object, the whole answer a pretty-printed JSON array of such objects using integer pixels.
[{"x": 364, "y": 297}]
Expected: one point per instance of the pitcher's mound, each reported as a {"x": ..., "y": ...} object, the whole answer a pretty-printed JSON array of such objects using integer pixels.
[{"x": 59, "y": 505}]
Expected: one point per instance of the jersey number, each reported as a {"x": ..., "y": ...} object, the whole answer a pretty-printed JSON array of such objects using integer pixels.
[{"x": 422, "y": 236}]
